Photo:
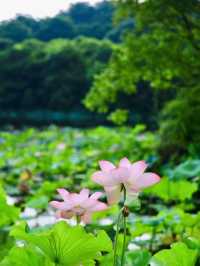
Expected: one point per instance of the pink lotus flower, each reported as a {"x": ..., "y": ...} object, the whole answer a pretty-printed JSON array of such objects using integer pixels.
[
  {"x": 127, "y": 175},
  {"x": 80, "y": 205}
]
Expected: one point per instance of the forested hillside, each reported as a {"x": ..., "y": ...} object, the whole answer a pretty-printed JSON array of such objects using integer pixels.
[
  {"x": 48, "y": 65},
  {"x": 46, "y": 78},
  {"x": 82, "y": 19}
]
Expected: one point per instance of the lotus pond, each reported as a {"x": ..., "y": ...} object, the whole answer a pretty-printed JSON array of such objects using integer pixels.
[{"x": 162, "y": 221}]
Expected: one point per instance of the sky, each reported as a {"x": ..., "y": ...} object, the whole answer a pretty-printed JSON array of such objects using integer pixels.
[{"x": 35, "y": 8}]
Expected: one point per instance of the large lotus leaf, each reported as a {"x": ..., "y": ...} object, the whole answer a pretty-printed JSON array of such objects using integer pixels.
[
  {"x": 8, "y": 213},
  {"x": 178, "y": 255},
  {"x": 6, "y": 243},
  {"x": 188, "y": 169},
  {"x": 138, "y": 258},
  {"x": 173, "y": 190},
  {"x": 26, "y": 256},
  {"x": 65, "y": 245}
]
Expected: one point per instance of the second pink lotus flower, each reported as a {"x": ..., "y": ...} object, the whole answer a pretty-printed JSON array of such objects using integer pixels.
[
  {"x": 80, "y": 204},
  {"x": 130, "y": 176}
]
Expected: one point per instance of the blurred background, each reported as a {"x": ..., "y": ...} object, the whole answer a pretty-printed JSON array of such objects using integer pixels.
[{"x": 83, "y": 64}]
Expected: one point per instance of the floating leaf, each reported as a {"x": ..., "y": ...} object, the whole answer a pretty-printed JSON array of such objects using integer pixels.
[
  {"x": 8, "y": 213},
  {"x": 178, "y": 255},
  {"x": 173, "y": 190},
  {"x": 190, "y": 168},
  {"x": 138, "y": 258}
]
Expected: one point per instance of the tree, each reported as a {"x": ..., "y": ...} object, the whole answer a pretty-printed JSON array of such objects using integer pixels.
[
  {"x": 57, "y": 27},
  {"x": 82, "y": 19},
  {"x": 14, "y": 30},
  {"x": 21, "y": 73},
  {"x": 81, "y": 13},
  {"x": 51, "y": 76},
  {"x": 5, "y": 43},
  {"x": 163, "y": 49},
  {"x": 68, "y": 85}
]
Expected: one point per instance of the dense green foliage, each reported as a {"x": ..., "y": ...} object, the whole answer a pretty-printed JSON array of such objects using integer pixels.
[
  {"x": 33, "y": 164},
  {"x": 82, "y": 19},
  {"x": 162, "y": 50},
  {"x": 39, "y": 76},
  {"x": 45, "y": 75}
]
